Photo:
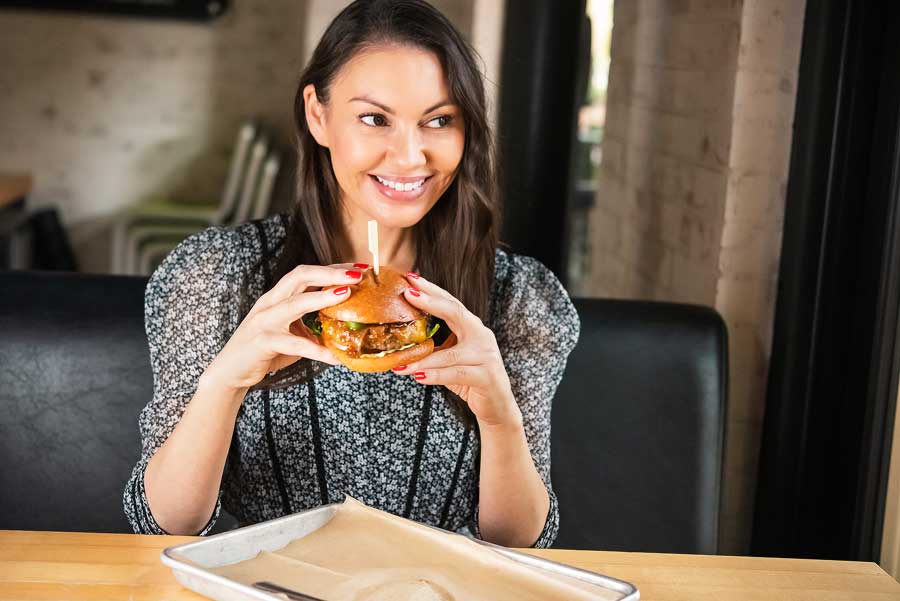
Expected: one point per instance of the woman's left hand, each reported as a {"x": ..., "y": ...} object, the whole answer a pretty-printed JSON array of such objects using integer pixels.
[{"x": 472, "y": 366}]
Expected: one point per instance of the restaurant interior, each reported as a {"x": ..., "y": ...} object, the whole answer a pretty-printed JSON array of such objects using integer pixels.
[{"x": 715, "y": 183}]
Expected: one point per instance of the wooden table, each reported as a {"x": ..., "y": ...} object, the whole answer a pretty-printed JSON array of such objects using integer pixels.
[{"x": 74, "y": 566}]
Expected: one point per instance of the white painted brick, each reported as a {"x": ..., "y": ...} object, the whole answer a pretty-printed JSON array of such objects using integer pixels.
[
  {"x": 772, "y": 35},
  {"x": 758, "y": 145},
  {"x": 708, "y": 193},
  {"x": 717, "y": 9},
  {"x": 697, "y": 139},
  {"x": 742, "y": 455},
  {"x": 624, "y": 13},
  {"x": 746, "y": 303},
  {"x": 613, "y": 155},
  {"x": 765, "y": 97},
  {"x": 750, "y": 251},
  {"x": 699, "y": 235},
  {"x": 755, "y": 197},
  {"x": 652, "y": 259},
  {"x": 622, "y": 45},
  {"x": 667, "y": 175},
  {"x": 620, "y": 84},
  {"x": 709, "y": 92},
  {"x": 617, "y": 116},
  {"x": 692, "y": 10},
  {"x": 693, "y": 282},
  {"x": 685, "y": 91},
  {"x": 609, "y": 278},
  {"x": 748, "y": 355},
  {"x": 684, "y": 45},
  {"x": 94, "y": 103},
  {"x": 605, "y": 232},
  {"x": 662, "y": 9}
]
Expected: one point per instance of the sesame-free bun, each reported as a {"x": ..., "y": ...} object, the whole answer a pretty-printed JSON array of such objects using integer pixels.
[
  {"x": 376, "y": 303},
  {"x": 387, "y": 362}
]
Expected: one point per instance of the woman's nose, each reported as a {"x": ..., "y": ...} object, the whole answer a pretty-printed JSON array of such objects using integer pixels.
[{"x": 408, "y": 149}]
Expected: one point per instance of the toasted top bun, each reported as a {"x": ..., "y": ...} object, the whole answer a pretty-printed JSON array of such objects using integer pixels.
[{"x": 376, "y": 303}]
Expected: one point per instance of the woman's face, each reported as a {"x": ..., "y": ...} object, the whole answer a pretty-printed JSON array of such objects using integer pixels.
[{"x": 394, "y": 134}]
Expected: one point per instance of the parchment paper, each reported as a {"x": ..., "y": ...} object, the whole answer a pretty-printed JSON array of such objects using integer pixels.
[{"x": 364, "y": 554}]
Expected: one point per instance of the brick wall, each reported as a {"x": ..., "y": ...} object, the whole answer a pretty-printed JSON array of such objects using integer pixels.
[
  {"x": 691, "y": 192},
  {"x": 107, "y": 112}
]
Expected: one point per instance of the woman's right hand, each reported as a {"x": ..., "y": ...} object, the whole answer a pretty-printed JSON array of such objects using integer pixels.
[{"x": 265, "y": 341}]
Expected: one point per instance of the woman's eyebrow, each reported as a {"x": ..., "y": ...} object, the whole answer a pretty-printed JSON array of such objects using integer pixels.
[{"x": 389, "y": 111}]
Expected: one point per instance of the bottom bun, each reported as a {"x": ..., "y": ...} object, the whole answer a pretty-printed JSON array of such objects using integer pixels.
[{"x": 385, "y": 363}]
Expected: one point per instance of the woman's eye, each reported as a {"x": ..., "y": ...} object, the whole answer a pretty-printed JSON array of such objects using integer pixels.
[
  {"x": 374, "y": 120},
  {"x": 442, "y": 121}
]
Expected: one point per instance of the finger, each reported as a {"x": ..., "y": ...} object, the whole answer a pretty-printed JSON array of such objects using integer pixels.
[
  {"x": 458, "y": 318},
  {"x": 457, "y": 355},
  {"x": 459, "y": 375},
  {"x": 297, "y": 346},
  {"x": 421, "y": 283},
  {"x": 294, "y": 307},
  {"x": 304, "y": 276}
]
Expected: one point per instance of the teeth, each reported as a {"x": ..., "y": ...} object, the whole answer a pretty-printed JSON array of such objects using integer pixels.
[{"x": 408, "y": 187}]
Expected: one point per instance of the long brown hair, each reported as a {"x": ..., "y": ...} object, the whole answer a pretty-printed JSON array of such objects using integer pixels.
[{"x": 455, "y": 242}]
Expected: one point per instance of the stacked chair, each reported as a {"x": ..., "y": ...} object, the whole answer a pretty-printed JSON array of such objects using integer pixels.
[{"x": 143, "y": 236}]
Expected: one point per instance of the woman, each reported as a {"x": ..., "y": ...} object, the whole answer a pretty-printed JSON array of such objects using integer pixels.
[{"x": 391, "y": 123}]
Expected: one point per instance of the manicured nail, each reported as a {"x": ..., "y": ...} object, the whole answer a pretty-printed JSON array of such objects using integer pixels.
[
  {"x": 412, "y": 275},
  {"x": 361, "y": 265},
  {"x": 415, "y": 292},
  {"x": 399, "y": 368},
  {"x": 354, "y": 274},
  {"x": 419, "y": 375},
  {"x": 342, "y": 290}
]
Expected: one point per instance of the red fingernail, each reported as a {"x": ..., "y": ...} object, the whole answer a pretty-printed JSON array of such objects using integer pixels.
[
  {"x": 361, "y": 265},
  {"x": 419, "y": 375},
  {"x": 399, "y": 368},
  {"x": 414, "y": 292},
  {"x": 354, "y": 274},
  {"x": 412, "y": 275},
  {"x": 342, "y": 290}
]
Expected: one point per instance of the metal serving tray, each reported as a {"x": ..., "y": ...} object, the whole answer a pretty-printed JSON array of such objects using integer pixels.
[{"x": 190, "y": 563}]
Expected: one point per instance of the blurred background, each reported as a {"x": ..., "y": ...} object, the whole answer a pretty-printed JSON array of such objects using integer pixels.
[{"x": 695, "y": 151}]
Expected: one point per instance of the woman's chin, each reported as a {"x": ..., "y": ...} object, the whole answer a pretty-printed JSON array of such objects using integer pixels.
[{"x": 392, "y": 216}]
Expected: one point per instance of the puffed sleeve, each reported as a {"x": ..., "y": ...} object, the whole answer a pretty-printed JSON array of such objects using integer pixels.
[
  {"x": 186, "y": 306},
  {"x": 536, "y": 327}
]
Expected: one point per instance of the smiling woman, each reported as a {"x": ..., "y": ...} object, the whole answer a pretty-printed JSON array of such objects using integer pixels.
[
  {"x": 393, "y": 165},
  {"x": 251, "y": 410},
  {"x": 393, "y": 91}
]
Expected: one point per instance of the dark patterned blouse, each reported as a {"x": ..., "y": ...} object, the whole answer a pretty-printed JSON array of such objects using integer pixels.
[{"x": 385, "y": 440}]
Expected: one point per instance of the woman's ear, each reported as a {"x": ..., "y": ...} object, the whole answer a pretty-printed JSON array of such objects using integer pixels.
[{"x": 315, "y": 115}]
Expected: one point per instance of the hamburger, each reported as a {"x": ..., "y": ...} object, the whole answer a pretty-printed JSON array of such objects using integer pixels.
[{"x": 375, "y": 329}]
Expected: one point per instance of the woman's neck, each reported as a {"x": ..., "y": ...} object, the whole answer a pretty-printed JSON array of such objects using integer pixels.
[{"x": 396, "y": 246}]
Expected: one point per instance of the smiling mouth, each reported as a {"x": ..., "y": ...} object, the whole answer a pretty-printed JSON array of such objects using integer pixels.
[
  {"x": 402, "y": 191},
  {"x": 406, "y": 185}
]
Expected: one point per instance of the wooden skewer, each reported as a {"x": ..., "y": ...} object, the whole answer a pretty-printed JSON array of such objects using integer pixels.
[{"x": 373, "y": 246}]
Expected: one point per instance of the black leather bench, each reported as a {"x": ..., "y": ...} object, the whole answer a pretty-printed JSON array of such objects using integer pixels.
[{"x": 637, "y": 423}]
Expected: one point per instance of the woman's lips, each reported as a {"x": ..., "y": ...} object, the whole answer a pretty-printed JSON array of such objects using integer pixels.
[{"x": 393, "y": 194}]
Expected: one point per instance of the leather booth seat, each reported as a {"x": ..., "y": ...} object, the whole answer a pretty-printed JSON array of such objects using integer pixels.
[
  {"x": 638, "y": 428},
  {"x": 637, "y": 431}
]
